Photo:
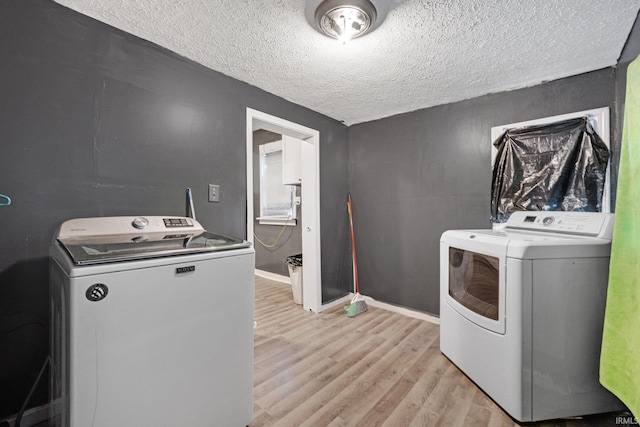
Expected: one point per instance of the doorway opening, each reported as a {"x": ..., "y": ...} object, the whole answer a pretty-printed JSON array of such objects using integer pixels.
[{"x": 309, "y": 195}]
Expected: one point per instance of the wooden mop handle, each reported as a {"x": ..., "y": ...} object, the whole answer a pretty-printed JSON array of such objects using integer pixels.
[{"x": 353, "y": 245}]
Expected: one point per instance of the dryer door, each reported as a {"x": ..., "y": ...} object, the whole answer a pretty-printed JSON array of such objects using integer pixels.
[{"x": 472, "y": 276}]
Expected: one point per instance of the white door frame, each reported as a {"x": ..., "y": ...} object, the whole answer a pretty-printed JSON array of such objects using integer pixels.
[{"x": 310, "y": 196}]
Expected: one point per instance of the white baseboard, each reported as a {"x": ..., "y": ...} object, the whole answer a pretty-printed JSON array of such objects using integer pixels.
[
  {"x": 273, "y": 276},
  {"x": 347, "y": 300},
  {"x": 385, "y": 306},
  {"x": 403, "y": 310}
]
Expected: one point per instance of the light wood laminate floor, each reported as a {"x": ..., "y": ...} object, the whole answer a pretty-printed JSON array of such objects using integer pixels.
[{"x": 377, "y": 369}]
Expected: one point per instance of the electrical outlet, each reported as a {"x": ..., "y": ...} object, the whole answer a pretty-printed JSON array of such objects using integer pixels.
[{"x": 214, "y": 193}]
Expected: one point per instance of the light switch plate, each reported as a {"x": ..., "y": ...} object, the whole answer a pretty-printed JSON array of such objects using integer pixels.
[{"x": 214, "y": 193}]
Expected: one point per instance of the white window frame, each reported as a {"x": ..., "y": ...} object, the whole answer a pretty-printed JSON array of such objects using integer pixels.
[
  {"x": 599, "y": 120},
  {"x": 277, "y": 200}
]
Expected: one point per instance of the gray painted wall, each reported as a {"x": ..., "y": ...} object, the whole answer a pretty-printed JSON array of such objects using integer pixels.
[
  {"x": 290, "y": 243},
  {"x": 96, "y": 122},
  {"x": 416, "y": 175}
]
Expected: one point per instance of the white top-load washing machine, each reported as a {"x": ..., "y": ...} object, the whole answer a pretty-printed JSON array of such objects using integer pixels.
[
  {"x": 522, "y": 309},
  {"x": 152, "y": 324}
]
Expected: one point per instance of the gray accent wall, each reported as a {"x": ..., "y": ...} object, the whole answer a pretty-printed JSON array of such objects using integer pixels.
[
  {"x": 416, "y": 175},
  {"x": 97, "y": 122}
]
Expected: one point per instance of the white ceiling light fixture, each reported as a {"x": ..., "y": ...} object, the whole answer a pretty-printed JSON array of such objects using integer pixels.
[{"x": 345, "y": 19}]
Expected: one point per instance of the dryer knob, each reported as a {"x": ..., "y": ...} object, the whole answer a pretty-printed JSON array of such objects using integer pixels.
[
  {"x": 140, "y": 222},
  {"x": 548, "y": 220}
]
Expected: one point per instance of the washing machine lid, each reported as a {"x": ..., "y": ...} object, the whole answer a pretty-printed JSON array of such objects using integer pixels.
[{"x": 91, "y": 241}]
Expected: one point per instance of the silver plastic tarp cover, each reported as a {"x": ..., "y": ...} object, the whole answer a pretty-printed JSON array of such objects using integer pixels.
[{"x": 553, "y": 167}]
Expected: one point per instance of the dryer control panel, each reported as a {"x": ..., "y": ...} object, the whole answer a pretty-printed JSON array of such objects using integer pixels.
[{"x": 595, "y": 224}]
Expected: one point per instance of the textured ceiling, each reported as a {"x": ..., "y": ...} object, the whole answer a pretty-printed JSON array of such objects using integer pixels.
[{"x": 424, "y": 53}]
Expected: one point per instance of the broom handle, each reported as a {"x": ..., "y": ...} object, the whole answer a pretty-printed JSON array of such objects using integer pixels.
[{"x": 353, "y": 245}]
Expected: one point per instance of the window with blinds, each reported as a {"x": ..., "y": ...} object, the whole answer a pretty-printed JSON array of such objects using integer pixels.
[{"x": 276, "y": 199}]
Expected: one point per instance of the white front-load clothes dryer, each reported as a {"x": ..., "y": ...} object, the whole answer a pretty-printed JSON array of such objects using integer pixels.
[
  {"x": 152, "y": 324},
  {"x": 522, "y": 309}
]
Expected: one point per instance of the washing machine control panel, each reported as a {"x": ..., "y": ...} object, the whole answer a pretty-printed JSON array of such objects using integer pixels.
[
  {"x": 177, "y": 222},
  {"x": 80, "y": 228},
  {"x": 140, "y": 222},
  {"x": 584, "y": 223}
]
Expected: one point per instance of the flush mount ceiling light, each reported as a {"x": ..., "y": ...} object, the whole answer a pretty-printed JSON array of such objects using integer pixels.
[{"x": 345, "y": 19}]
